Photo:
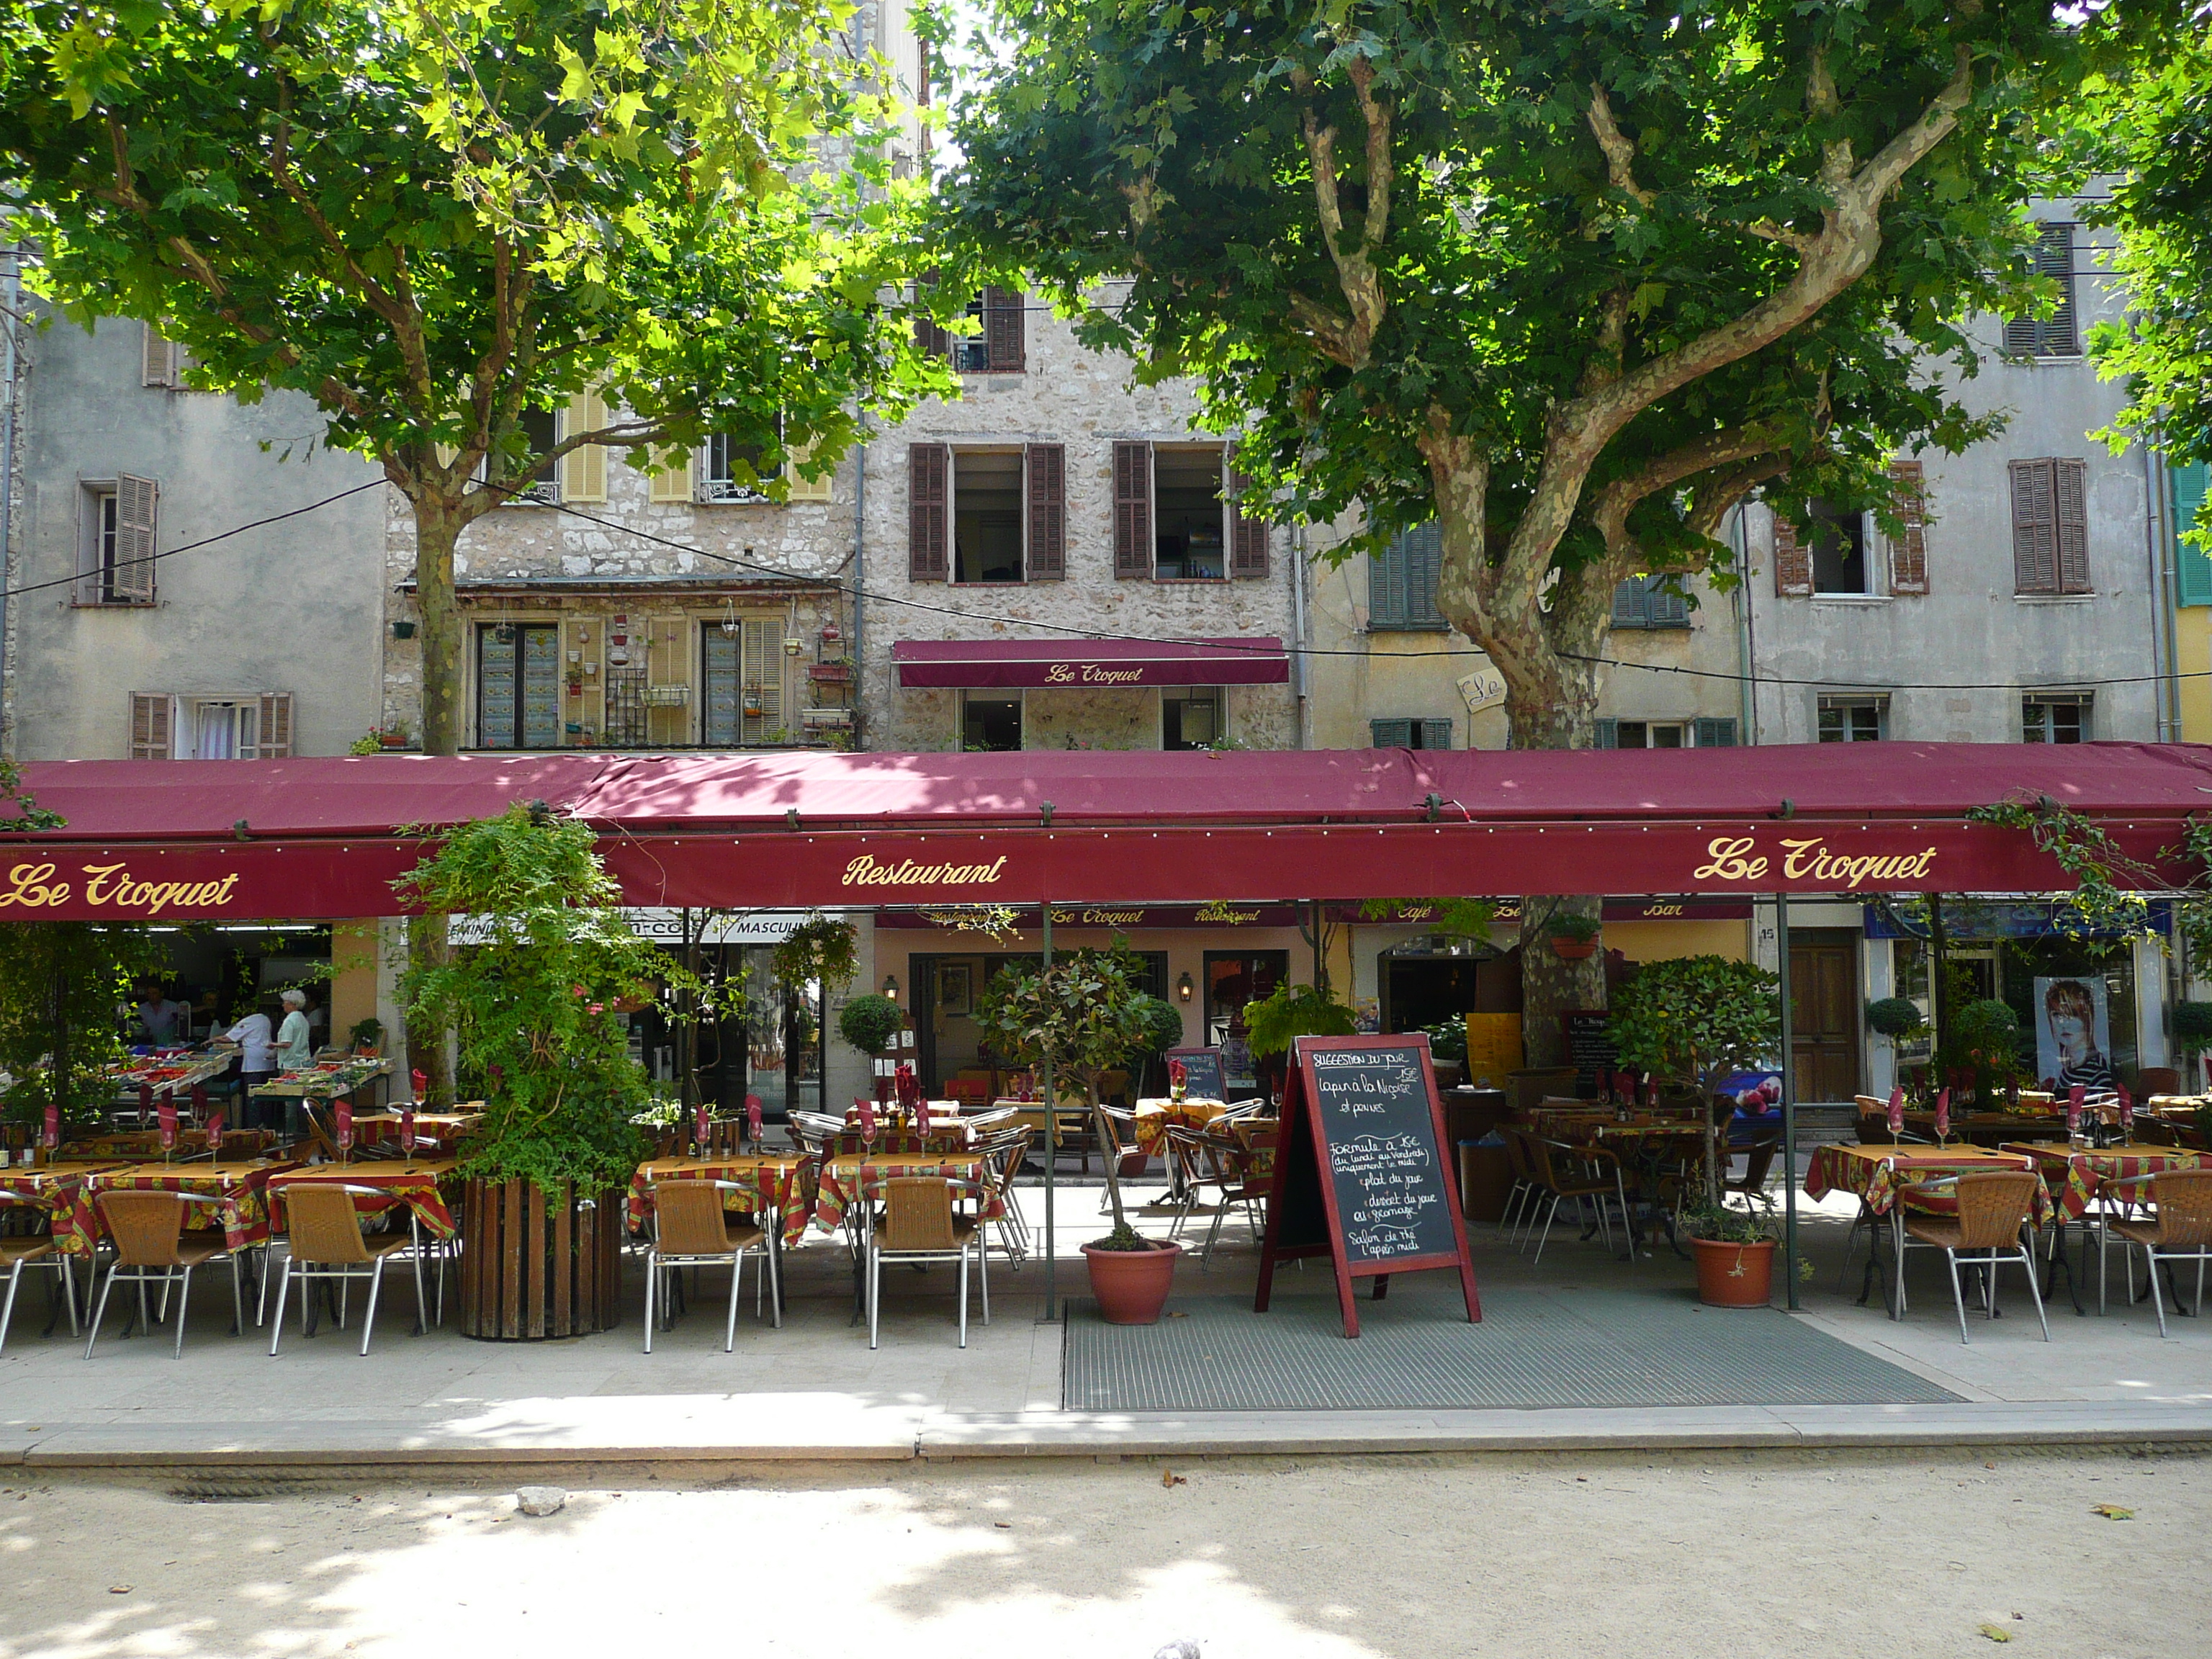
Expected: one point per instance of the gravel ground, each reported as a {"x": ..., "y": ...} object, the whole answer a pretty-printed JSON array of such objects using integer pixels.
[{"x": 1402, "y": 1557}]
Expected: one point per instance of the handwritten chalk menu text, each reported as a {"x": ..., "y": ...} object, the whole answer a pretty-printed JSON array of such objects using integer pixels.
[
  {"x": 1202, "y": 1075},
  {"x": 1384, "y": 1159},
  {"x": 1360, "y": 1174}
]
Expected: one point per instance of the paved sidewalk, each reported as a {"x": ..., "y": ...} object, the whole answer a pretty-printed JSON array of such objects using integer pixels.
[{"x": 815, "y": 1390}]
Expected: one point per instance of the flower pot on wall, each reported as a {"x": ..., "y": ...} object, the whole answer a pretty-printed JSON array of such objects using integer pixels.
[
  {"x": 1131, "y": 1286},
  {"x": 1574, "y": 950},
  {"x": 1734, "y": 1275}
]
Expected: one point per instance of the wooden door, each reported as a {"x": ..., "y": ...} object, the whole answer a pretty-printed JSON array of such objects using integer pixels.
[{"x": 1824, "y": 1024}]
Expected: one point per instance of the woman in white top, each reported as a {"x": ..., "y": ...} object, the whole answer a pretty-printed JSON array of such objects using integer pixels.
[
  {"x": 256, "y": 1065},
  {"x": 296, "y": 1044}
]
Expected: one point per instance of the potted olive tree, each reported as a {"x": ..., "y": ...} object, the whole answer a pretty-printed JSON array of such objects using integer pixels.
[
  {"x": 1692, "y": 1021},
  {"x": 533, "y": 1009},
  {"x": 1083, "y": 1015}
]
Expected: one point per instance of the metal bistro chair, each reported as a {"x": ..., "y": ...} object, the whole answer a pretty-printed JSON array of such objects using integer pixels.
[
  {"x": 2178, "y": 1229},
  {"x": 1591, "y": 1174},
  {"x": 1004, "y": 1154},
  {"x": 32, "y": 1250},
  {"x": 1521, "y": 1194},
  {"x": 918, "y": 1226},
  {"x": 328, "y": 1243},
  {"x": 1129, "y": 1160},
  {"x": 151, "y": 1248},
  {"x": 1992, "y": 1218},
  {"x": 691, "y": 1229},
  {"x": 1246, "y": 1164}
]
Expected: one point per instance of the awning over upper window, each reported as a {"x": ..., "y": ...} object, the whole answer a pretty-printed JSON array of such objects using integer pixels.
[{"x": 1102, "y": 665}]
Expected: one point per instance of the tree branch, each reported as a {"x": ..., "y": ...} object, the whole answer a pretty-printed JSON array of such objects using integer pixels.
[
  {"x": 1619, "y": 151},
  {"x": 1356, "y": 275}
]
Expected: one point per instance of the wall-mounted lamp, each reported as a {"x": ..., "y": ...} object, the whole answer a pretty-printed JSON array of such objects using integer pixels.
[
  {"x": 891, "y": 987},
  {"x": 1184, "y": 988}
]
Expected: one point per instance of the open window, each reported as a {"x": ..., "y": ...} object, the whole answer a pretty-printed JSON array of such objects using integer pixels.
[
  {"x": 991, "y": 724},
  {"x": 1189, "y": 512},
  {"x": 1853, "y": 719},
  {"x": 1192, "y": 717},
  {"x": 987, "y": 515},
  {"x": 115, "y": 546},
  {"x": 1839, "y": 538}
]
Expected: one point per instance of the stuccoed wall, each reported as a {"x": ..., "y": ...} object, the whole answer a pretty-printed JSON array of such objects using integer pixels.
[
  {"x": 293, "y": 606},
  {"x": 1970, "y": 633},
  {"x": 1084, "y": 400}
]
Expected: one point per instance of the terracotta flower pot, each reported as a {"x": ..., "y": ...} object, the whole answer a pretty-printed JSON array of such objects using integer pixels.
[
  {"x": 1574, "y": 950},
  {"x": 1131, "y": 1286},
  {"x": 1734, "y": 1275}
]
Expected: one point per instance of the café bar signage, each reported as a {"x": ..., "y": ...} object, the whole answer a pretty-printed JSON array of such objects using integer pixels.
[{"x": 1217, "y": 913}]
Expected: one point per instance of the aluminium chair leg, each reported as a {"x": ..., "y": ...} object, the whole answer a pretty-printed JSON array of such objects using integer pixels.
[
  {"x": 368, "y": 1315},
  {"x": 8, "y": 1309},
  {"x": 737, "y": 1283},
  {"x": 982, "y": 1275},
  {"x": 1958, "y": 1294},
  {"x": 652, "y": 1276},
  {"x": 2157, "y": 1301},
  {"x": 283, "y": 1290},
  {"x": 1549, "y": 1215},
  {"x": 184, "y": 1306},
  {"x": 237, "y": 1298},
  {"x": 2028, "y": 1260},
  {"x": 964, "y": 1296},
  {"x": 100, "y": 1311}
]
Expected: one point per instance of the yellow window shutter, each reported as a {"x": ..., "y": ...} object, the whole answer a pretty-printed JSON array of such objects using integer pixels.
[
  {"x": 584, "y": 472},
  {"x": 674, "y": 485},
  {"x": 803, "y": 488}
]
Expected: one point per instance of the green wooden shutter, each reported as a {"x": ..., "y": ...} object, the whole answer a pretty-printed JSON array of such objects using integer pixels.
[
  {"x": 1715, "y": 734},
  {"x": 1391, "y": 734},
  {"x": 1606, "y": 735},
  {"x": 1424, "y": 567},
  {"x": 1386, "y": 586},
  {"x": 1669, "y": 609},
  {"x": 1436, "y": 734},
  {"x": 2194, "y": 564},
  {"x": 1632, "y": 604}
]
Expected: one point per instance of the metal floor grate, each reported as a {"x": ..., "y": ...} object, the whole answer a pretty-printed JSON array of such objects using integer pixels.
[{"x": 1416, "y": 1350}]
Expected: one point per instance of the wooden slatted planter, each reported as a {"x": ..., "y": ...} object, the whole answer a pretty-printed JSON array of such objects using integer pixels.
[{"x": 527, "y": 1275}]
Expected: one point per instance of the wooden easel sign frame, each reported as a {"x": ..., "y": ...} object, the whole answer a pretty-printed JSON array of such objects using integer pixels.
[{"x": 1361, "y": 1169}]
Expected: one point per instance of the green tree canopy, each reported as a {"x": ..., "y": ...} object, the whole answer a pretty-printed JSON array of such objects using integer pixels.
[
  {"x": 1571, "y": 278},
  {"x": 1692, "y": 1020},
  {"x": 2153, "y": 130},
  {"x": 440, "y": 217},
  {"x": 61, "y": 984}
]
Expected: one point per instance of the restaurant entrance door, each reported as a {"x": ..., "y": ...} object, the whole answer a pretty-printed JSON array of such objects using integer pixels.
[{"x": 1824, "y": 1013}]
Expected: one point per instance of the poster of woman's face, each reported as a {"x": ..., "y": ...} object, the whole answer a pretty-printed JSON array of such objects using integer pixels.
[{"x": 2073, "y": 1037}]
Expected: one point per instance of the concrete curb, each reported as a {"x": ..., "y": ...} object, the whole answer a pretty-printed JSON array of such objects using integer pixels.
[{"x": 945, "y": 1436}]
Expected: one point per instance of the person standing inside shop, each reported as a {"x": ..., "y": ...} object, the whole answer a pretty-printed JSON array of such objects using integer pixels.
[
  {"x": 256, "y": 1065},
  {"x": 295, "y": 1041},
  {"x": 161, "y": 1018}
]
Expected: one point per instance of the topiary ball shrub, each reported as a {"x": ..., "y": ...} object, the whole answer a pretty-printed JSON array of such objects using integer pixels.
[
  {"x": 870, "y": 1022},
  {"x": 1893, "y": 1017}
]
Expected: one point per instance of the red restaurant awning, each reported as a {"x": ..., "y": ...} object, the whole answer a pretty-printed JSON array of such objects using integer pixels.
[
  {"x": 1100, "y": 665},
  {"x": 245, "y": 840}
]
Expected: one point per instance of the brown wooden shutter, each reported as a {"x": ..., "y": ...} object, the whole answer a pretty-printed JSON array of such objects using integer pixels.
[
  {"x": 2034, "y": 528},
  {"x": 150, "y": 726},
  {"x": 1133, "y": 510},
  {"x": 273, "y": 735},
  {"x": 160, "y": 364},
  {"x": 929, "y": 537},
  {"x": 1002, "y": 330},
  {"x": 136, "y": 502},
  {"x": 1045, "y": 472},
  {"x": 929, "y": 336},
  {"x": 1793, "y": 561},
  {"x": 1908, "y": 550},
  {"x": 1247, "y": 536},
  {"x": 2070, "y": 493}
]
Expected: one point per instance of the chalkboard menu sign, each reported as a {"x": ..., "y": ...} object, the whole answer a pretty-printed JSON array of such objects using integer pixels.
[
  {"x": 1202, "y": 1074},
  {"x": 1589, "y": 1049},
  {"x": 1361, "y": 1175}
]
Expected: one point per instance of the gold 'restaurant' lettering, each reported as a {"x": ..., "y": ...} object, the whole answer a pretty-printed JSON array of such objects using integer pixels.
[
  {"x": 1220, "y": 910},
  {"x": 1736, "y": 857},
  {"x": 112, "y": 887},
  {"x": 865, "y": 871}
]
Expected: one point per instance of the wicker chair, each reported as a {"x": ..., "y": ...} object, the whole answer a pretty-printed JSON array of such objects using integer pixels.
[
  {"x": 1993, "y": 1214},
  {"x": 691, "y": 1230},
  {"x": 918, "y": 1226},
  {"x": 35, "y": 1250},
  {"x": 2178, "y": 1229},
  {"x": 327, "y": 1244},
  {"x": 150, "y": 1248}
]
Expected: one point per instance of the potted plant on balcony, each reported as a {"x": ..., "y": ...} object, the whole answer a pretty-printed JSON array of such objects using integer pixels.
[
  {"x": 1083, "y": 1015},
  {"x": 1690, "y": 1022},
  {"x": 532, "y": 1008}
]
